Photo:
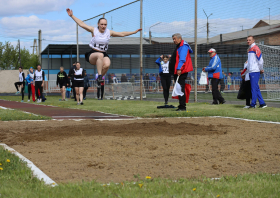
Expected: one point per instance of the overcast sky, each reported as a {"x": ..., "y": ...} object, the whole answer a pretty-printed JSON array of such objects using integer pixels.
[{"x": 21, "y": 19}]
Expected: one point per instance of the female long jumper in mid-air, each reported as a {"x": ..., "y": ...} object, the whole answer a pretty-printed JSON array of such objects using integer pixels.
[{"x": 99, "y": 43}]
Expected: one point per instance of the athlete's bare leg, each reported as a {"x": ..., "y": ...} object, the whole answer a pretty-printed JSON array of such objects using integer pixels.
[
  {"x": 81, "y": 90},
  {"x": 77, "y": 94},
  {"x": 105, "y": 68},
  {"x": 63, "y": 92},
  {"x": 97, "y": 59}
]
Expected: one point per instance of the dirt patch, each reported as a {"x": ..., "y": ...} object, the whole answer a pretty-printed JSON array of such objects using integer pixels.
[{"x": 117, "y": 150}]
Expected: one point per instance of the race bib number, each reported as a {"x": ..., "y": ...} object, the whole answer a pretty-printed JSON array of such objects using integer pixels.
[{"x": 101, "y": 46}]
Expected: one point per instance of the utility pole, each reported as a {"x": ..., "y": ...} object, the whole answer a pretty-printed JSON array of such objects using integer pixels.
[
  {"x": 141, "y": 51},
  {"x": 19, "y": 58},
  {"x": 78, "y": 54},
  {"x": 242, "y": 27},
  {"x": 40, "y": 45},
  {"x": 207, "y": 26},
  {"x": 35, "y": 47},
  {"x": 195, "y": 52}
]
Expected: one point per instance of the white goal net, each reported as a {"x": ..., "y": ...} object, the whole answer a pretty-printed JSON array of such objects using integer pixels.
[
  {"x": 271, "y": 57},
  {"x": 123, "y": 91}
]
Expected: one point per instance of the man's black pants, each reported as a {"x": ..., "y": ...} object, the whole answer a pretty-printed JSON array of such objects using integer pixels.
[
  {"x": 181, "y": 81},
  {"x": 74, "y": 91},
  {"x": 222, "y": 82},
  {"x": 248, "y": 92},
  {"x": 101, "y": 89},
  {"x": 215, "y": 91},
  {"x": 165, "y": 82},
  {"x": 85, "y": 92},
  {"x": 38, "y": 86}
]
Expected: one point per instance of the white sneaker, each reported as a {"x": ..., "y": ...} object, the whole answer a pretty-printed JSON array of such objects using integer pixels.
[
  {"x": 246, "y": 107},
  {"x": 38, "y": 101},
  {"x": 28, "y": 100}
]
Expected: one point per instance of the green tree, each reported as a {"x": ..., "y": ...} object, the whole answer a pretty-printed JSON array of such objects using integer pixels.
[{"x": 9, "y": 56}]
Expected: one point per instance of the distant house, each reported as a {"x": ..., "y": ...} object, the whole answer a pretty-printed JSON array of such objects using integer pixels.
[{"x": 263, "y": 32}]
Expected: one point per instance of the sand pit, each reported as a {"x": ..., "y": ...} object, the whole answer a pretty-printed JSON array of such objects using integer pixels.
[{"x": 105, "y": 151}]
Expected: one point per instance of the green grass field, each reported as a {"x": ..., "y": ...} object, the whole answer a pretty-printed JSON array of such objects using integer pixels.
[
  {"x": 17, "y": 181},
  {"x": 8, "y": 115},
  {"x": 148, "y": 109}
]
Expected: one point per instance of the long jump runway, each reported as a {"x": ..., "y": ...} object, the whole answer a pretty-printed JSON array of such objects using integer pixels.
[{"x": 59, "y": 113}]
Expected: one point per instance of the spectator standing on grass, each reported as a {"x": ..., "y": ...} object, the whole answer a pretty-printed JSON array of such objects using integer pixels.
[
  {"x": 254, "y": 69},
  {"x": 31, "y": 88},
  {"x": 229, "y": 80},
  {"x": 214, "y": 70},
  {"x": 79, "y": 74},
  {"x": 165, "y": 76},
  {"x": 68, "y": 91},
  {"x": 20, "y": 83},
  {"x": 39, "y": 76},
  {"x": 247, "y": 83},
  {"x": 180, "y": 65},
  {"x": 86, "y": 85},
  {"x": 62, "y": 80},
  {"x": 71, "y": 78}
]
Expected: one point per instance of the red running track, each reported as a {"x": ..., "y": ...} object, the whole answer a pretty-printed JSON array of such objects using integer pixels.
[{"x": 59, "y": 113}]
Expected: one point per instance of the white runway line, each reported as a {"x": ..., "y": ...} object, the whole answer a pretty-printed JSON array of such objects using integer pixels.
[
  {"x": 36, "y": 171},
  {"x": 85, "y": 116}
]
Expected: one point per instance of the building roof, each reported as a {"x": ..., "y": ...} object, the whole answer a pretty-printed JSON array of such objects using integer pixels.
[
  {"x": 243, "y": 34},
  {"x": 115, "y": 42},
  {"x": 267, "y": 22}
]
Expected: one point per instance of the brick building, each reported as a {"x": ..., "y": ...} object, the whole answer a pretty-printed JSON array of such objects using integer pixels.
[{"x": 263, "y": 32}]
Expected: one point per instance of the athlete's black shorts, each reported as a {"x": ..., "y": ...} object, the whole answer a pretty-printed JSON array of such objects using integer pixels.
[
  {"x": 78, "y": 83},
  {"x": 62, "y": 84},
  {"x": 87, "y": 55}
]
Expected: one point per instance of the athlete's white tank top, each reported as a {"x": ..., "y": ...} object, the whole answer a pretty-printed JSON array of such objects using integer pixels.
[
  {"x": 20, "y": 77},
  {"x": 39, "y": 75},
  {"x": 78, "y": 72},
  {"x": 100, "y": 41},
  {"x": 165, "y": 67}
]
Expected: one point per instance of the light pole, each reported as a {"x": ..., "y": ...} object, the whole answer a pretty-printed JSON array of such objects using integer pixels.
[
  {"x": 150, "y": 33},
  {"x": 207, "y": 26}
]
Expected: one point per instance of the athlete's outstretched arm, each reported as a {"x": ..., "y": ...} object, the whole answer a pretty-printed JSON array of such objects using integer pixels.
[
  {"x": 79, "y": 22},
  {"x": 122, "y": 34}
]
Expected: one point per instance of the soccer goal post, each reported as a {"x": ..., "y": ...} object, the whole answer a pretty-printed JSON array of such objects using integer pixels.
[
  {"x": 271, "y": 57},
  {"x": 123, "y": 91}
]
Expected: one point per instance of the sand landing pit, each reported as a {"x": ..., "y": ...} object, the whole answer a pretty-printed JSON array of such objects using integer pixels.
[{"x": 115, "y": 151}]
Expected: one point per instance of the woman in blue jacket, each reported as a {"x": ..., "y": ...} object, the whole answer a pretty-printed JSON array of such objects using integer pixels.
[
  {"x": 30, "y": 81},
  {"x": 165, "y": 76}
]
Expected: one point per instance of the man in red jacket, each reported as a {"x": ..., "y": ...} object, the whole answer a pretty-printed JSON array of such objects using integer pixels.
[{"x": 180, "y": 64}]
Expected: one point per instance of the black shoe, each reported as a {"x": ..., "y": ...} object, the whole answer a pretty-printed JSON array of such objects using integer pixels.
[
  {"x": 263, "y": 106},
  {"x": 223, "y": 102},
  {"x": 99, "y": 79},
  {"x": 180, "y": 109},
  {"x": 214, "y": 103},
  {"x": 81, "y": 103}
]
